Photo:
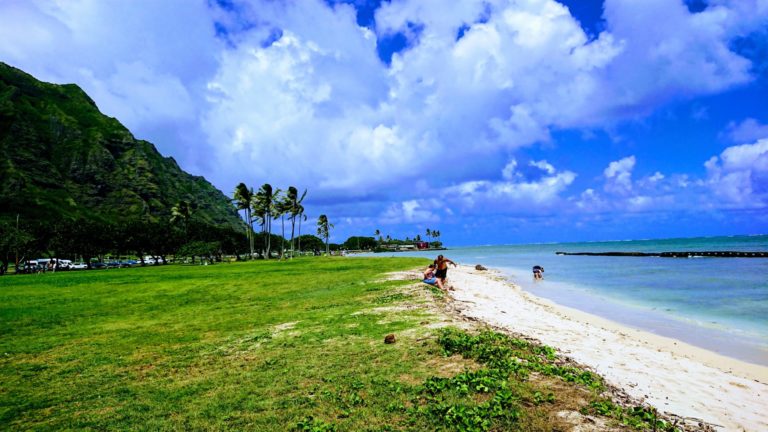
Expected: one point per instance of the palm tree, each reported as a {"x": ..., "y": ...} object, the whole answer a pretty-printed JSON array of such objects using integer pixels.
[
  {"x": 324, "y": 230},
  {"x": 264, "y": 207},
  {"x": 300, "y": 212},
  {"x": 378, "y": 236},
  {"x": 429, "y": 234},
  {"x": 282, "y": 208},
  {"x": 181, "y": 213},
  {"x": 437, "y": 235},
  {"x": 294, "y": 204},
  {"x": 243, "y": 197}
]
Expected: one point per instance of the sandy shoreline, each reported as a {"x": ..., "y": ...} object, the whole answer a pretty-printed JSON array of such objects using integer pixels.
[{"x": 671, "y": 375}]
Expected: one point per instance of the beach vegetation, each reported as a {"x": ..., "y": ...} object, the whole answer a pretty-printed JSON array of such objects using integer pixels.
[
  {"x": 639, "y": 417},
  {"x": 509, "y": 364}
]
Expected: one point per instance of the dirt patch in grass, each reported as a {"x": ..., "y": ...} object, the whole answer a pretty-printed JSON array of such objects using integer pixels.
[
  {"x": 283, "y": 327},
  {"x": 449, "y": 366},
  {"x": 414, "y": 274},
  {"x": 441, "y": 366}
]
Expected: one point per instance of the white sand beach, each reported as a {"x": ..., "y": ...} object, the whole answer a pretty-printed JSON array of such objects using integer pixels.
[{"x": 672, "y": 376}]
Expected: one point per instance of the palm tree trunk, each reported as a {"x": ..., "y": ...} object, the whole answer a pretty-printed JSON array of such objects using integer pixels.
[
  {"x": 264, "y": 239},
  {"x": 247, "y": 235},
  {"x": 293, "y": 228},
  {"x": 282, "y": 239},
  {"x": 250, "y": 231},
  {"x": 300, "y": 214},
  {"x": 268, "y": 223}
]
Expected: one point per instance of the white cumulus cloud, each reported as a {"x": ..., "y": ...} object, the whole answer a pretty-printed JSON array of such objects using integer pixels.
[
  {"x": 618, "y": 176},
  {"x": 739, "y": 176},
  {"x": 747, "y": 130}
]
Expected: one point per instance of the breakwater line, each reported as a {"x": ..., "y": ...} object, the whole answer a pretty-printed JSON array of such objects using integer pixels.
[{"x": 689, "y": 254}]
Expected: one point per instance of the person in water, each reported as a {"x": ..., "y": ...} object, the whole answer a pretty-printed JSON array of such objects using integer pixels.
[
  {"x": 441, "y": 264},
  {"x": 538, "y": 272},
  {"x": 430, "y": 278}
]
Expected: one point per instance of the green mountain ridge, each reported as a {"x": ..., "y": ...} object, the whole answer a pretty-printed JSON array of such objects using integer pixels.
[{"x": 62, "y": 158}]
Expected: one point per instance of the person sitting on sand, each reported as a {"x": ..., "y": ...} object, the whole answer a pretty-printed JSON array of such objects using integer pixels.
[
  {"x": 441, "y": 263},
  {"x": 538, "y": 272},
  {"x": 430, "y": 279}
]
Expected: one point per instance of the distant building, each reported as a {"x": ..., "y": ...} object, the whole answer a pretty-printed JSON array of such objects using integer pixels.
[{"x": 422, "y": 245}]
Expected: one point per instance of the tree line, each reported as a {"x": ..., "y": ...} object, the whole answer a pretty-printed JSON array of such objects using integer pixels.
[
  {"x": 89, "y": 239},
  {"x": 181, "y": 235}
]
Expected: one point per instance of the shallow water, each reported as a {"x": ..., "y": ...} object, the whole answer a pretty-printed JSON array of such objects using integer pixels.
[{"x": 720, "y": 304}]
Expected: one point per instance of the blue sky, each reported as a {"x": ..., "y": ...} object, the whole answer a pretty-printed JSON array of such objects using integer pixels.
[{"x": 493, "y": 121}]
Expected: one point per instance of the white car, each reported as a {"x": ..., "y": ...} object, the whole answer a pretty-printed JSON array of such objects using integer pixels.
[{"x": 78, "y": 266}]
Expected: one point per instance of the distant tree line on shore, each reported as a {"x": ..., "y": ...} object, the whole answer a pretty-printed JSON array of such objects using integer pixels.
[{"x": 384, "y": 242}]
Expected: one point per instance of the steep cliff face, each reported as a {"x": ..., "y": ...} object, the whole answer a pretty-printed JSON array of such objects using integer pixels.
[{"x": 60, "y": 157}]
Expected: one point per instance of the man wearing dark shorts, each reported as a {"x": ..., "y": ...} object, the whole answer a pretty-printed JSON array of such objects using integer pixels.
[{"x": 441, "y": 263}]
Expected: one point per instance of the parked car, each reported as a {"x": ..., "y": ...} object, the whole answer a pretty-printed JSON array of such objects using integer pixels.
[
  {"x": 78, "y": 266},
  {"x": 98, "y": 265},
  {"x": 61, "y": 264},
  {"x": 30, "y": 266}
]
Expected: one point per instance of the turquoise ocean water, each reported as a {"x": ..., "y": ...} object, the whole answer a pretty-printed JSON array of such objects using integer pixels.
[{"x": 720, "y": 304}]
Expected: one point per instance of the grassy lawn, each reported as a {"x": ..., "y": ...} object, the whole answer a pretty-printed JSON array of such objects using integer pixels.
[{"x": 264, "y": 346}]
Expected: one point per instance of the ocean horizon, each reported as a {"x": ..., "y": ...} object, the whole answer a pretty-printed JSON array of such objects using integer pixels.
[{"x": 719, "y": 304}]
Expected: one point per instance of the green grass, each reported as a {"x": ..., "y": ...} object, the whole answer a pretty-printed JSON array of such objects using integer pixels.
[{"x": 264, "y": 346}]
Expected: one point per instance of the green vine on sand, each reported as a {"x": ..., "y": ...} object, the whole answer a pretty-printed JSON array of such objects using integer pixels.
[
  {"x": 638, "y": 417},
  {"x": 492, "y": 397}
]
